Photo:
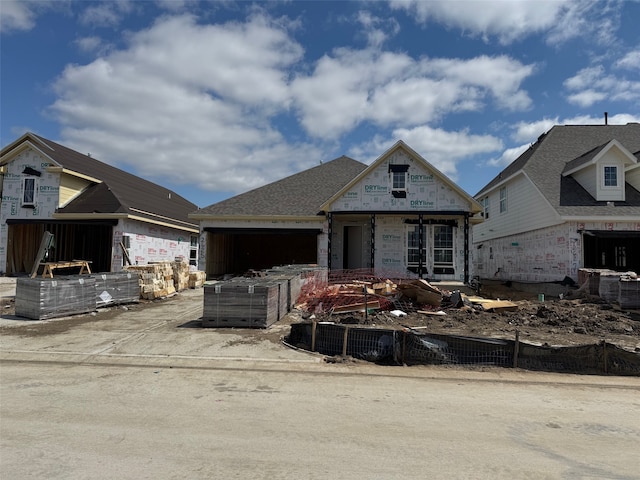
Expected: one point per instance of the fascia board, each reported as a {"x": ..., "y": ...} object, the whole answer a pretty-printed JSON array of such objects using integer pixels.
[
  {"x": 161, "y": 218},
  {"x": 118, "y": 216},
  {"x": 73, "y": 174},
  {"x": 290, "y": 218}
]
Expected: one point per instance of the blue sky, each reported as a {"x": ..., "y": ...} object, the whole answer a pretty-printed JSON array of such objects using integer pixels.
[{"x": 215, "y": 98}]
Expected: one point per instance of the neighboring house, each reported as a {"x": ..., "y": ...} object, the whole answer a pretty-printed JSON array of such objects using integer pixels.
[
  {"x": 89, "y": 206},
  {"x": 570, "y": 201},
  {"x": 399, "y": 216}
]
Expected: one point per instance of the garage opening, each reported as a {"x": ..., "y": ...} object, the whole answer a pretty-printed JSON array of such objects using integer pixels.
[
  {"x": 616, "y": 251},
  {"x": 72, "y": 241},
  {"x": 236, "y": 251}
]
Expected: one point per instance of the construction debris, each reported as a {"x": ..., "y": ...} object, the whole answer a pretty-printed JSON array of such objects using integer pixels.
[{"x": 422, "y": 292}]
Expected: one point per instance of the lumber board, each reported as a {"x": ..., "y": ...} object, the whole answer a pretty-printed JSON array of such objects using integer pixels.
[{"x": 500, "y": 306}]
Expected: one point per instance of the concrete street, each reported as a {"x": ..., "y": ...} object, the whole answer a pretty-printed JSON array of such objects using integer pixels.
[{"x": 142, "y": 393}]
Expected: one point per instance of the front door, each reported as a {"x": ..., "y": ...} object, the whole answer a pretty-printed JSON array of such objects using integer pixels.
[{"x": 352, "y": 247}]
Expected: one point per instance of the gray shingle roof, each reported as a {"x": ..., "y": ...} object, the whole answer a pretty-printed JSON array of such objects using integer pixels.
[
  {"x": 301, "y": 194},
  {"x": 545, "y": 161},
  {"x": 120, "y": 192}
]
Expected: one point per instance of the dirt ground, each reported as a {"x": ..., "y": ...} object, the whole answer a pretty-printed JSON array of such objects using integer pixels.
[
  {"x": 568, "y": 321},
  {"x": 584, "y": 319}
]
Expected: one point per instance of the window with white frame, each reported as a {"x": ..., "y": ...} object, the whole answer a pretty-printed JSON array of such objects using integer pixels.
[
  {"x": 193, "y": 250},
  {"x": 443, "y": 246},
  {"x": 610, "y": 176},
  {"x": 399, "y": 181},
  {"x": 485, "y": 206},
  {"x": 414, "y": 253},
  {"x": 28, "y": 192},
  {"x": 398, "y": 174},
  {"x": 503, "y": 199}
]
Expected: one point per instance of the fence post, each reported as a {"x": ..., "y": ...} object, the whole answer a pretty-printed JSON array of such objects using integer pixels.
[
  {"x": 313, "y": 335},
  {"x": 344, "y": 341},
  {"x": 604, "y": 356},
  {"x": 404, "y": 344},
  {"x": 516, "y": 349}
]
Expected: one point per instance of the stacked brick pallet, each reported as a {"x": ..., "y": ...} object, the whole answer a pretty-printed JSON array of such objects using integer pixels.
[
  {"x": 247, "y": 303},
  {"x": 114, "y": 288},
  {"x": 254, "y": 302},
  {"x": 44, "y": 298}
]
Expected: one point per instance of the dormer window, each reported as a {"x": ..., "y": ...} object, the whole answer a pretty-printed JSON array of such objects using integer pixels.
[
  {"x": 610, "y": 176},
  {"x": 399, "y": 180}
]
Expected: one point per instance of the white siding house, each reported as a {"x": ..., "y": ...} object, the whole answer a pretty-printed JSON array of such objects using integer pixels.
[{"x": 572, "y": 200}]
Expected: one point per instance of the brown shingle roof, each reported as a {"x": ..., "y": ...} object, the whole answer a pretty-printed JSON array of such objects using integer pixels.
[
  {"x": 120, "y": 191},
  {"x": 301, "y": 194}
]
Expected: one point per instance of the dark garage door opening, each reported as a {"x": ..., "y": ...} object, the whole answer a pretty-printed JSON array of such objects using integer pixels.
[
  {"x": 618, "y": 251},
  {"x": 238, "y": 251}
]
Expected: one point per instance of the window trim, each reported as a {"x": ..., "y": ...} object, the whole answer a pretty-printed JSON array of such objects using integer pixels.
[
  {"x": 34, "y": 191},
  {"x": 451, "y": 248},
  {"x": 413, "y": 229},
  {"x": 503, "y": 199},
  {"x": 604, "y": 176},
  {"x": 398, "y": 171},
  {"x": 485, "y": 207}
]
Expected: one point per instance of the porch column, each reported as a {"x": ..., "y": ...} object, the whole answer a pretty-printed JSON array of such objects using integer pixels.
[
  {"x": 466, "y": 247},
  {"x": 373, "y": 239},
  {"x": 330, "y": 233},
  {"x": 420, "y": 246}
]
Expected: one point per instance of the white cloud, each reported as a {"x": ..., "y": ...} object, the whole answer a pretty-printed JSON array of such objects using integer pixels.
[
  {"x": 187, "y": 95},
  {"x": 376, "y": 29},
  {"x": 106, "y": 14},
  {"x": 512, "y": 20},
  {"x": 354, "y": 86},
  {"x": 16, "y": 15},
  {"x": 631, "y": 61},
  {"x": 90, "y": 44},
  {"x": 508, "y": 156},
  {"x": 212, "y": 99},
  {"x": 507, "y": 20},
  {"x": 524, "y": 131},
  {"x": 593, "y": 20},
  {"x": 593, "y": 84},
  {"x": 443, "y": 149}
]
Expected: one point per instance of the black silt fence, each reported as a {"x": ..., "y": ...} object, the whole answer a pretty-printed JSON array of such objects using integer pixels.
[{"x": 410, "y": 347}]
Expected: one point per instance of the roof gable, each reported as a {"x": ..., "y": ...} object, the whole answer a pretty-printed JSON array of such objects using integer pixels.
[
  {"x": 372, "y": 189},
  {"x": 130, "y": 194},
  {"x": 595, "y": 155}
]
